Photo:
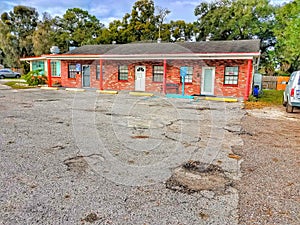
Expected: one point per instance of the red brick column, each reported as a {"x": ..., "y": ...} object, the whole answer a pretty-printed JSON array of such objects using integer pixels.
[
  {"x": 165, "y": 77},
  {"x": 78, "y": 80},
  {"x": 101, "y": 76},
  {"x": 248, "y": 81},
  {"x": 49, "y": 72}
]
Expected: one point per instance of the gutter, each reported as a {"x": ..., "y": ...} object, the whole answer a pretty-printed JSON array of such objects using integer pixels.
[{"x": 154, "y": 57}]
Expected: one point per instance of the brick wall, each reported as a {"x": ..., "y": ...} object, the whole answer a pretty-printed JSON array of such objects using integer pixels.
[{"x": 111, "y": 82}]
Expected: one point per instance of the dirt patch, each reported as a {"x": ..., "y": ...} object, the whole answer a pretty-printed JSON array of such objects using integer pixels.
[
  {"x": 91, "y": 218},
  {"x": 256, "y": 105},
  {"x": 76, "y": 164},
  {"x": 196, "y": 176},
  {"x": 269, "y": 189}
]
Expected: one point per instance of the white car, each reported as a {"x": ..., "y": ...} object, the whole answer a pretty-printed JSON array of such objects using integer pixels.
[
  {"x": 291, "y": 95},
  {"x": 8, "y": 73}
]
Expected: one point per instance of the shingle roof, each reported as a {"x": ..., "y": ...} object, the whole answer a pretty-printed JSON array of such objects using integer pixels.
[{"x": 237, "y": 46}]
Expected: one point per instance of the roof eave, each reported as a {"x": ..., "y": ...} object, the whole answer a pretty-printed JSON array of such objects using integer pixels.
[
  {"x": 157, "y": 56},
  {"x": 33, "y": 58}
]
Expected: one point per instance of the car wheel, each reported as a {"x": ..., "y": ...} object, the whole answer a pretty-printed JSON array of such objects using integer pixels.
[
  {"x": 2, "y": 77},
  {"x": 289, "y": 108},
  {"x": 18, "y": 76}
]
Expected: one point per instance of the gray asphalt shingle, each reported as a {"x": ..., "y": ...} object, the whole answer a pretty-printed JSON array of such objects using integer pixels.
[{"x": 236, "y": 46}]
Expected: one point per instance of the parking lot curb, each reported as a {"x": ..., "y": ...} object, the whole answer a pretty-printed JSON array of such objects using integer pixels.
[
  {"x": 75, "y": 89},
  {"x": 141, "y": 93},
  {"x": 221, "y": 99},
  {"x": 107, "y": 92},
  {"x": 49, "y": 88}
]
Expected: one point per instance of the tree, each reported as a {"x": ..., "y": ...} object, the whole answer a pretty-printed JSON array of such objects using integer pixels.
[
  {"x": 139, "y": 25},
  {"x": 287, "y": 32},
  {"x": 181, "y": 31},
  {"x": 160, "y": 17},
  {"x": 76, "y": 28},
  {"x": 16, "y": 29},
  {"x": 43, "y": 36},
  {"x": 237, "y": 20}
]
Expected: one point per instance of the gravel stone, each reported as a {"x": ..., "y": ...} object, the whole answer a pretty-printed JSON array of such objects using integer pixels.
[{"x": 77, "y": 158}]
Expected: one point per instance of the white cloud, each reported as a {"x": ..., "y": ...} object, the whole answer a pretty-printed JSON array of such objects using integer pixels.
[{"x": 105, "y": 10}]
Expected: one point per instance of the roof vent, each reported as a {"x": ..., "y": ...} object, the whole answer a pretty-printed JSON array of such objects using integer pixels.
[
  {"x": 54, "y": 50},
  {"x": 208, "y": 37}
]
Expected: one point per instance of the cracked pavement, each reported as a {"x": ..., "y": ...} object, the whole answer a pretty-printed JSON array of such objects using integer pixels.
[{"x": 76, "y": 158}]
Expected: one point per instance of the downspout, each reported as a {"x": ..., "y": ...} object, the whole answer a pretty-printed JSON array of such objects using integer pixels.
[
  {"x": 165, "y": 77},
  {"x": 49, "y": 73},
  {"x": 101, "y": 75},
  {"x": 248, "y": 81}
]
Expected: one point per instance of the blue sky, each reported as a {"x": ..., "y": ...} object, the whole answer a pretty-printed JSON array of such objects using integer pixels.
[
  {"x": 108, "y": 10},
  {"x": 105, "y": 10}
]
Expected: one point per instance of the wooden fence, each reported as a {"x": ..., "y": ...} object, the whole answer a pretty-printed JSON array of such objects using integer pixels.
[{"x": 274, "y": 82}]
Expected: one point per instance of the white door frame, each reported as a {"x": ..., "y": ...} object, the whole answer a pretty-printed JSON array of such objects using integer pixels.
[
  {"x": 212, "y": 83},
  {"x": 82, "y": 76},
  {"x": 140, "y": 78}
]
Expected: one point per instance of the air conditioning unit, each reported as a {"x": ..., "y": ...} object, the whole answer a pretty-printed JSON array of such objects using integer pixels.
[{"x": 54, "y": 50}]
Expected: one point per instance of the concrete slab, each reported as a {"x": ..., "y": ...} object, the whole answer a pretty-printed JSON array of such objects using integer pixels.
[{"x": 179, "y": 96}]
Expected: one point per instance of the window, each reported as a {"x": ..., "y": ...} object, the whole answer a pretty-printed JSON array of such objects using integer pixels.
[
  {"x": 188, "y": 72},
  {"x": 55, "y": 68},
  {"x": 98, "y": 72},
  {"x": 231, "y": 75},
  {"x": 39, "y": 65},
  {"x": 72, "y": 71},
  {"x": 158, "y": 73},
  {"x": 123, "y": 72}
]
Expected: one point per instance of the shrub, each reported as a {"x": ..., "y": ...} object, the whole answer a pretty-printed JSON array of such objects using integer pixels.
[{"x": 34, "y": 78}]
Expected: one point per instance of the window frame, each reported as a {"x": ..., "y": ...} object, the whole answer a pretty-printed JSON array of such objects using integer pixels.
[
  {"x": 231, "y": 77},
  {"x": 123, "y": 72},
  {"x": 158, "y": 75},
  {"x": 53, "y": 64},
  {"x": 39, "y": 65},
  {"x": 188, "y": 79},
  {"x": 72, "y": 72}
]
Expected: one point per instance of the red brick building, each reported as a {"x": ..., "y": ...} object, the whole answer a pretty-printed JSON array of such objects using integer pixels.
[{"x": 216, "y": 68}]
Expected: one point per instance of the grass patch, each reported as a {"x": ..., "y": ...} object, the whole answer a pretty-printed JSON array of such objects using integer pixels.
[
  {"x": 18, "y": 85},
  {"x": 267, "y": 99}
]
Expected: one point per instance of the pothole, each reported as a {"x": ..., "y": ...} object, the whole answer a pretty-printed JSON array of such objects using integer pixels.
[
  {"x": 140, "y": 136},
  {"x": 91, "y": 218},
  {"x": 195, "y": 176},
  {"x": 76, "y": 164},
  {"x": 46, "y": 100}
]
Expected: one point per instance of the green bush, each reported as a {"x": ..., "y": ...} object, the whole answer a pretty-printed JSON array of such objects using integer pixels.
[{"x": 34, "y": 78}]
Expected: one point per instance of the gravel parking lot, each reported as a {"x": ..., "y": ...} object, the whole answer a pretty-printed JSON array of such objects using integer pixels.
[
  {"x": 81, "y": 158},
  {"x": 70, "y": 158}
]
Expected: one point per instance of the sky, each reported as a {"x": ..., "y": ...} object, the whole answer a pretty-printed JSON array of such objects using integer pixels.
[{"x": 108, "y": 10}]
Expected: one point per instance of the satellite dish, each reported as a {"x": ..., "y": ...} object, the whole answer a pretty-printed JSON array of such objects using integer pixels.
[{"x": 54, "y": 50}]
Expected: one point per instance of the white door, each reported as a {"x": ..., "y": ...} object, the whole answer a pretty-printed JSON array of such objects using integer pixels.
[
  {"x": 208, "y": 81},
  {"x": 140, "y": 78},
  {"x": 86, "y": 72}
]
